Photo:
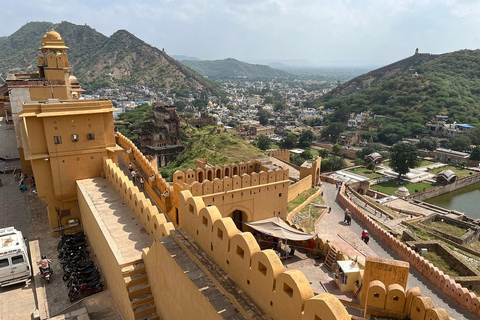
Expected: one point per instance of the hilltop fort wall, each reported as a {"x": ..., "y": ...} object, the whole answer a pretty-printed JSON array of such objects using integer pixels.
[{"x": 447, "y": 285}]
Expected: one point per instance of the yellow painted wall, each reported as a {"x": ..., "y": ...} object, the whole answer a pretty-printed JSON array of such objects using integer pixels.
[
  {"x": 154, "y": 222},
  {"x": 102, "y": 252},
  {"x": 175, "y": 295},
  {"x": 297, "y": 188},
  {"x": 56, "y": 167}
]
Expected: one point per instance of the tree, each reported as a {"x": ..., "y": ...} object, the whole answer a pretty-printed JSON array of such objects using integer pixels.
[
  {"x": 459, "y": 143},
  {"x": 371, "y": 148},
  {"x": 323, "y": 153},
  {"x": 429, "y": 143},
  {"x": 475, "y": 155},
  {"x": 263, "y": 116},
  {"x": 403, "y": 156},
  {"x": 332, "y": 131},
  {"x": 306, "y": 139},
  {"x": 180, "y": 104},
  {"x": 333, "y": 163},
  {"x": 263, "y": 142},
  {"x": 336, "y": 148},
  {"x": 297, "y": 160},
  {"x": 307, "y": 154},
  {"x": 371, "y": 166},
  {"x": 462, "y": 164},
  {"x": 290, "y": 141}
]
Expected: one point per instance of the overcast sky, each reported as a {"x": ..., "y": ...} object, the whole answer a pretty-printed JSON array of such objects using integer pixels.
[{"x": 322, "y": 31}]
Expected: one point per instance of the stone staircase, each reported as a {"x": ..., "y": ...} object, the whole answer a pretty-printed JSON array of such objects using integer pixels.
[
  {"x": 139, "y": 291},
  {"x": 331, "y": 258}
]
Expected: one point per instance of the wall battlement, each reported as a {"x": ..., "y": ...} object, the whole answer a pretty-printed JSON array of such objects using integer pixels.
[
  {"x": 283, "y": 154},
  {"x": 153, "y": 221}
]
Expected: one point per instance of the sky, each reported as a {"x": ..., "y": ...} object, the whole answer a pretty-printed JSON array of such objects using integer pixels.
[{"x": 315, "y": 32}]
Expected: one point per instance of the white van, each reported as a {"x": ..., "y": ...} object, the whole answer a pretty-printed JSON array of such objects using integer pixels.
[{"x": 14, "y": 262}]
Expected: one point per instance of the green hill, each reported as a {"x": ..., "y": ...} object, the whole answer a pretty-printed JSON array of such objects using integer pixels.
[
  {"x": 100, "y": 61},
  {"x": 234, "y": 69},
  {"x": 411, "y": 92},
  {"x": 219, "y": 148}
]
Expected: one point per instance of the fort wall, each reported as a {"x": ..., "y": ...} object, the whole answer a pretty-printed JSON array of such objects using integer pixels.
[
  {"x": 458, "y": 294},
  {"x": 154, "y": 222},
  {"x": 155, "y": 180},
  {"x": 296, "y": 189},
  {"x": 246, "y": 192},
  {"x": 282, "y": 154}
]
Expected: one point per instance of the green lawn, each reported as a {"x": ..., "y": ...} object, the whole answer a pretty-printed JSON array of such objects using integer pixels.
[
  {"x": 461, "y": 173},
  {"x": 389, "y": 187},
  {"x": 448, "y": 228},
  {"x": 441, "y": 263},
  {"x": 362, "y": 171},
  {"x": 300, "y": 199},
  {"x": 424, "y": 163},
  {"x": 421, "y": 163}
]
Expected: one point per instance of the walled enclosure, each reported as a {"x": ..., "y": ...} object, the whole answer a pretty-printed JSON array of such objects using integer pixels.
[{"x": 452, "y": 289}]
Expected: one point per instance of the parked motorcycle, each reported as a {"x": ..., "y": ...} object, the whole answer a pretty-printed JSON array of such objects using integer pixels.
[
  {"x": 85, "y": 289},
  {"x": 75, "y": 274},
  {"x": 83, "y": 279},
  {"x": 70, "y": 238},
  {"x": 70, "y": 267}
]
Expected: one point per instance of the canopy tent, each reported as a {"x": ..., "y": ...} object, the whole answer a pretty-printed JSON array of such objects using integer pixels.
[{"x": 279, "y": 229}]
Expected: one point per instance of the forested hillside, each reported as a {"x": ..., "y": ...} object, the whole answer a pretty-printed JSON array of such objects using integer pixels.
[{"x": 411, "y": 92}]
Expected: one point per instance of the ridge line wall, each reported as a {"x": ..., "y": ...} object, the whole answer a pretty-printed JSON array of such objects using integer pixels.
[
  {"x": 155, "y": 179},
  {"x": 453, "y": 290}
]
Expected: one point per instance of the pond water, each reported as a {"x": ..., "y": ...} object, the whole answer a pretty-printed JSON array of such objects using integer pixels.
[{"x": 466, "y": 200}]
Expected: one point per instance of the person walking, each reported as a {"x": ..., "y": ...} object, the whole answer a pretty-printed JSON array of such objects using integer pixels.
[
  {"x": 329, "y": 209},
  {"x": 142, "y": 182}
]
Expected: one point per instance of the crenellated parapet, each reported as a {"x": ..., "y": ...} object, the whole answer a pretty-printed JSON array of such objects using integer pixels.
[
  {"x": 154, "y": 222},
  {"x": 147, "y": 166},
  {"x": 281, "y": 294},
  {"x": 283, "y": 154},
  {"x": 243, "y": 186}
]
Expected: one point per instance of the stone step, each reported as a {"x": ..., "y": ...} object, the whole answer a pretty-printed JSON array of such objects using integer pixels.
[
  {"x": 134, "y": 271},
  {"x": 132, "y": 282},
  {"x": 139, "y": 292},
  {"x": 147, "y": 311},
  {"x": 137, "y": 303}
]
